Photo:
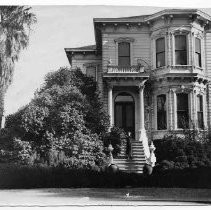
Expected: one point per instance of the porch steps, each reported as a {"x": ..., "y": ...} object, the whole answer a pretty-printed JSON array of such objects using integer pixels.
[{"x": 134, "y": 165}]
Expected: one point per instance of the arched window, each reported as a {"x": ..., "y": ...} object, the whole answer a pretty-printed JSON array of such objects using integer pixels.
[
  {"x": 180, "y": 50},
  {"x": 161, "y": 112},
  {"x": 124, "y": 54},
  {"x": 160, "y": 52}
]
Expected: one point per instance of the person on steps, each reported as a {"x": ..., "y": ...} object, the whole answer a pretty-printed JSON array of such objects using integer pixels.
[{"x": 128, "y": 146}]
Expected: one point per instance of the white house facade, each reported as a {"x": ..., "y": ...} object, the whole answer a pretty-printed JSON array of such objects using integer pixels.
[{"x": 153, "y": 72}]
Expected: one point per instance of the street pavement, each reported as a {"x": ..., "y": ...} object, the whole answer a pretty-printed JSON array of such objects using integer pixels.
[{"x": 104, "y": 197}]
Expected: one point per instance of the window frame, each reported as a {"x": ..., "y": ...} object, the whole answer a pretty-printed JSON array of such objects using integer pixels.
[
  {"x": 181, "y": 50},
  {"x": 124, "y": 42},
  {"x": 198, "y": 53},
  {"x": 95, "y": 71},
  {"x": 160, "y": 52}
]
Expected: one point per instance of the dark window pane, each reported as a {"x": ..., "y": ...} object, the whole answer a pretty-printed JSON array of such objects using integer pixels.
[
  {"x": 197, "y": 45},
  {"x": 181, "y": 57},
  {"x": 180, "y": 42},
  {"x": 118, "y": 118},
  {"x": 160, "y": 45},
  {"x": 182, "y": 101},
  {"x": 124, "y": 54},
  {"x": 160, "y": 59},
  {"x": 200, "y": 111},
  {"x": 180, "y": 50},
  {"x": 161, "y": 120},
  {"x": 160, "y": 52},
  {"x": 200, "y": 120},
  {"x": 124, "y": 49},
  {"x": 198, "y": 52},
  {"x": 91, "y": 71},
  {"x": 129, "y": 116},
  {"x": 198, "y": 59},
  {"x": 199, "y": 103},
  {"x": 161, "y": 112},
  {"x": 182, "y": 119},
  {"x": 124, "y": 61},
  {"x": 161, "y": 103},
  {"x": 182, "y": 110}
]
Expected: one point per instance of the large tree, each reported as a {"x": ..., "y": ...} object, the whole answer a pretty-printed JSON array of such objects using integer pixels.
[
  {"x": 15, "y": 27},
  {"x": 63, "y": 124}
]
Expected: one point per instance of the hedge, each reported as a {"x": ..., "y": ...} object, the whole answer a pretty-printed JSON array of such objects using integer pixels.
[{"x": 16, "y": 176}]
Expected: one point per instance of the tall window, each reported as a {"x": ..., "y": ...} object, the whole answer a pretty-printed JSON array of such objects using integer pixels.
[
  {"x": 91, "y": 71},
  {"x": 200, "y": 111},
  {"x": 182, "y": 110},
  {"x": 124, "y": 54},
  {"x": 161, "y": 112},
  {"x": 198, "y": 52},
  {"x": 180, "y": 50},
  {"x": 160, "y": 52}
]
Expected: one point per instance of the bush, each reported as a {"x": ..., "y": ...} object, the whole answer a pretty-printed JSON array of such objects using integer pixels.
[
  {"x": 116, "y": 137},
  {"x": 182, "y": 152}
]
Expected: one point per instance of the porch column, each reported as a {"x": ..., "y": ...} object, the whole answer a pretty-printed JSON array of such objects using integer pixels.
[
  {"x": 110, "y": 105},
  {"x": 141, "y": 108},
  {"x": 142, "y": 132}
]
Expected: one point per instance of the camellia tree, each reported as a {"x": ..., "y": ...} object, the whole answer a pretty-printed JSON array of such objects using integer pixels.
[{"x": 15, "y": 27}]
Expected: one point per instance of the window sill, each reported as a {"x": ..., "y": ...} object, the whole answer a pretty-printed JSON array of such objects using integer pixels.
[
  {"x": 200, "y": 68},
  {"x": 159, "y": 68},
  {"x": 181, "y": 66}
]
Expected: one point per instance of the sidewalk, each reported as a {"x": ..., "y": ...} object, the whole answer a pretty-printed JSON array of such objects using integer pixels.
[{"x": 102, "y": 196}]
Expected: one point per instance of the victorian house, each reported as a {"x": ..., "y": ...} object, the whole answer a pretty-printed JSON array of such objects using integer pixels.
[{"x": 153, "y": 72}]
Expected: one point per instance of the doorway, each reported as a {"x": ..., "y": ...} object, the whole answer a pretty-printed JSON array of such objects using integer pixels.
[{"x": 124, "y": 113}]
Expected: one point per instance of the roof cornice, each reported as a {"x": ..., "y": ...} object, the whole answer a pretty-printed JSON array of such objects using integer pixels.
[
  {"x": 146, "y": 18},
  {"x": 178, "y": 12}
]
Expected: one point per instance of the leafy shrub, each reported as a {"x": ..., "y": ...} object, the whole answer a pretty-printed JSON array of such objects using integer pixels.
[
  {"x": 23, "y": 151},
  {"x": 182, "y": 151},
  {"x": 116, "y": 137}
]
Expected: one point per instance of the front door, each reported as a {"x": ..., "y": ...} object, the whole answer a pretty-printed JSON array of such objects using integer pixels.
[{"x": 125, "y": 116}]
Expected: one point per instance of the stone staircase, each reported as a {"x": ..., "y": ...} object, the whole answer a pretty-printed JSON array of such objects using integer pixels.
[{"x": 134, "y": 165}]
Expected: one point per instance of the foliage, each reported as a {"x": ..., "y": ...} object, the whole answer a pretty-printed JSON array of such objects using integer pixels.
[
  {"x": 57, "y": 123},
  {"x": 174, "y": 151},
  {"x": 16, "y": 22},
  {"x": 95, "y": 117},
  {"x": 116, "y": 138}
]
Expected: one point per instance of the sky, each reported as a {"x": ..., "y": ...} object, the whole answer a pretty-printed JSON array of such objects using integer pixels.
[{"x": 59, "y": 27}]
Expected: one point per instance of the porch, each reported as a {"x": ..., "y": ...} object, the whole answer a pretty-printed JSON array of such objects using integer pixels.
[{"x": 124, "y": 91}]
